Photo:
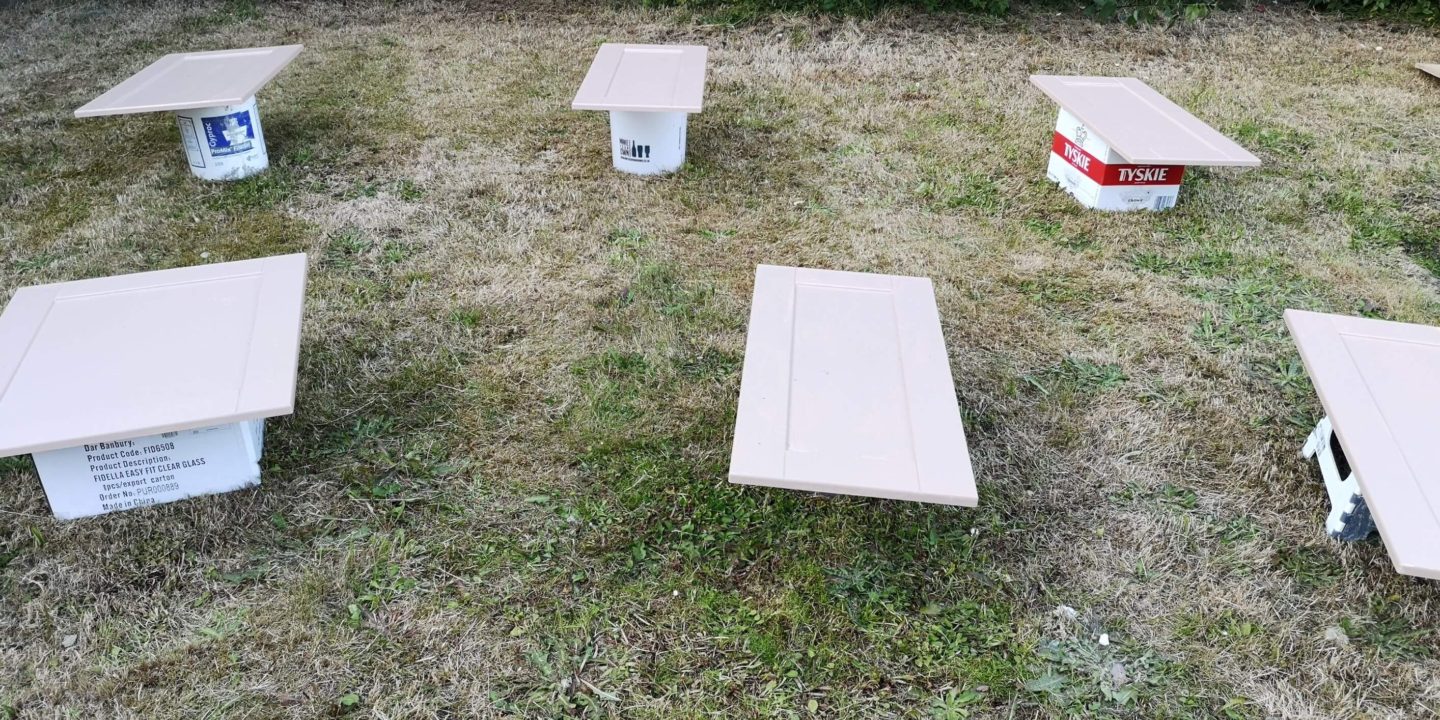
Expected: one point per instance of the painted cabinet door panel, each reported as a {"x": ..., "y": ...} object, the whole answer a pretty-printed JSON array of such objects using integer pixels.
[
  {"x": 1380, "y": 384},
  {"x": 644, "y": 78},
  {"x": 120, "y": 357},
  {"x": 1140, "y": 124},
  {"x": 847, "y": 389},
  {"x": 184, "y": 81}
]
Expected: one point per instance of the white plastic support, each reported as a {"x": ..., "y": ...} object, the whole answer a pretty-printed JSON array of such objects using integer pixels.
[{"x": 1349, "y": 518}]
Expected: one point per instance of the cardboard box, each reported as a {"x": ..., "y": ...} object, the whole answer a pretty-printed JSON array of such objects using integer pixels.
[
  {"x": 1085, "y": 166},
  {"x": 99, "y": 478}
]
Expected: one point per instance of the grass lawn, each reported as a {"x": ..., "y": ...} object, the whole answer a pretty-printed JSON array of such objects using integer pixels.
[{"x": 503, "y": 492}]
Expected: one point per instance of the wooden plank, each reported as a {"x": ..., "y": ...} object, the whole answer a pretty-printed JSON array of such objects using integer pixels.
[
  {"x": 1380, "y": 384},
  {"x": 846, "y": 389},
  {"x": 1140, "y": 124},
  {"x": 185, "y": 81}
]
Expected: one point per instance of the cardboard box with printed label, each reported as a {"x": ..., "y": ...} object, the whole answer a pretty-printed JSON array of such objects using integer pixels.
[
  {"x": 143, "y": 389},
  {"x": 1119, "y": 145},
  {"x": 105, "y": 477},
  {"x": 1086, "y": 167}
]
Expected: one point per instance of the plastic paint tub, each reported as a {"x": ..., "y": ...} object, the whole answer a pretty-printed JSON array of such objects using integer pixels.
[
  {"x": 223, "y": 142},
  {"x": 648, "y": 143}
]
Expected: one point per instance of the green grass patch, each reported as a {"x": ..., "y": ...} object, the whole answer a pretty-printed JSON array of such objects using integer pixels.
[
  {"x": 1409, "y": 221},
  {"x": 1074, "y": 377},
  {"x": 1389, "y": 633},
  {"x": 326, "y": 124},
  {"x": 950, "y": 190},
  {"x": 1276, "y": 139}
]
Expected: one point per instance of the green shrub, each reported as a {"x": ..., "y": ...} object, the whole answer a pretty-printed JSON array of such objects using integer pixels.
[
  {"x": 1151, "y": 11},
  {"x": 1426, "y": 11},
  {"x": 752, "y": 8},
  {"x": 1131, "y": 11}
]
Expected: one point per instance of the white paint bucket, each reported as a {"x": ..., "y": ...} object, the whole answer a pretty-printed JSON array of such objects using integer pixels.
[
  {"x": 223, "y": 142},
  {"x": 648, "y": 143}
]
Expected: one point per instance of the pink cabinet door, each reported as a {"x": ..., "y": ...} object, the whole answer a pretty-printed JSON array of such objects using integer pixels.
[
  {"x": 183, "y": 81},
  {"x": 1140, "y": 124},
  {"x": 644, "y": 78},
  {"x": 132, "y": 355},
  {"x": 846, "y": 389},
  {"x": 1380, "y": 384}
]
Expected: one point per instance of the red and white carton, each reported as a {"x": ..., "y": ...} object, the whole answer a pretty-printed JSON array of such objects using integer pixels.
[{"x": 1085, "y": 166}]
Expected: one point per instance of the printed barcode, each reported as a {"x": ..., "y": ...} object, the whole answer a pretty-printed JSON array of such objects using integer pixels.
[{"x": 1164, "y": 202}]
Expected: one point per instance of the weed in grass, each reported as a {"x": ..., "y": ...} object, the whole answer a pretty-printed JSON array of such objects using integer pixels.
[
  {"x": 613, "y": 385},
  {"x": 658, "y": 287},
  {"x": 366, "y": 188},
  {"x": 1152, "y": 262},
  {"x": 395, "y": 252},
  {"x": 1390, "y": 633},
  {"x": 1280, "y": 141},
  {"x": 38, "y": 262},
  {"x": 1225, "y": 628},
  {"x": 227, "y": 13},
  {"x": 1177, "y": 498},
  {"x": 344, "y": 249},
  {"x": 264, "y": 191},
  {"x": 468, "y": 317},
  {"x": 1077, "y": 376},
  {"x": 349, "y": 702},
  {"x": 943, "y": 190},
  {"x": 1380, "y": 223},
  {"x": 1055, "y": 290},
  {"x": 1053, "y": 231},
  {"x": 1047, "y": 229},
  {"x": 627, "y": 244},
  {"x": 955, "y": 704},
  {"x": 408, "y": 190},
  {"x": 1310, "y": 567},
  {"x": 16, "y": 465},
  {"x": 1248, "y": 309},
  {"x": 1238, "y": 530},
  {"x": 386, "y": 578},
  {"x": 708, "y": 364},
  {"x": 1288, "y": 374},
  {"x": 714, "y": 235},
  {"x": 1082, "y": 676},
  {"x": 16, "y": 548}
]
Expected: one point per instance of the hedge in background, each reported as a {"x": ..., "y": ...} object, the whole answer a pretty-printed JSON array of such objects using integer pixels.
[{"x": 1135, "y": 11}]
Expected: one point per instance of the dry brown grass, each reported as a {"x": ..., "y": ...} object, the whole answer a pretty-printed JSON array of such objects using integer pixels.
[{"x": 503, "y": 493}]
